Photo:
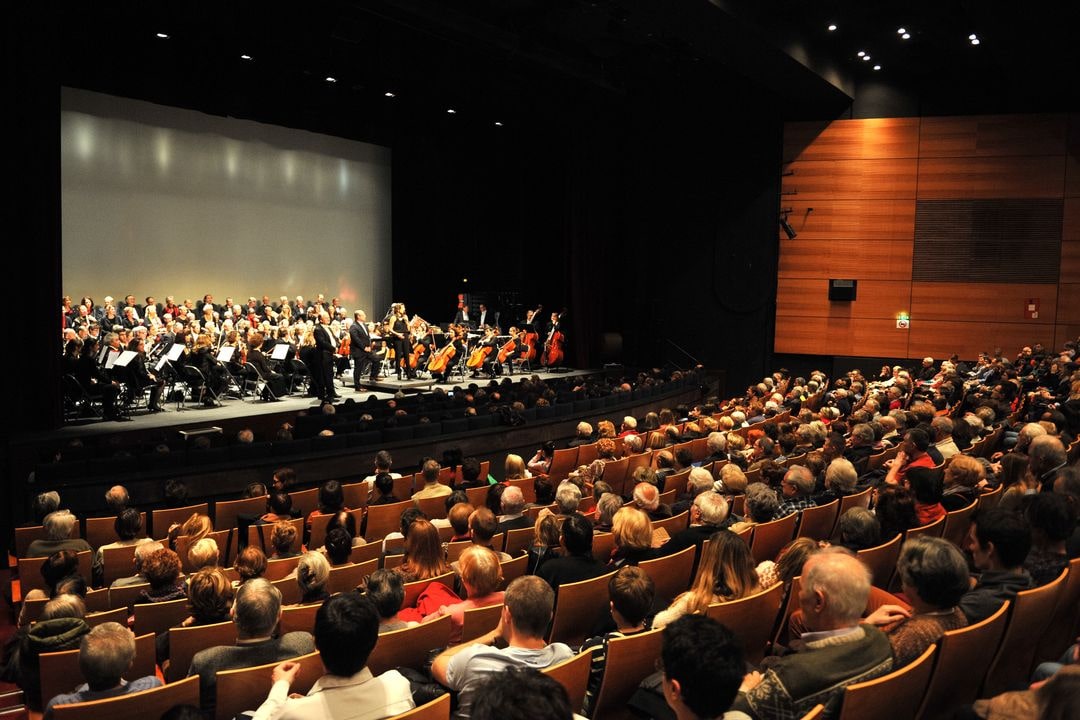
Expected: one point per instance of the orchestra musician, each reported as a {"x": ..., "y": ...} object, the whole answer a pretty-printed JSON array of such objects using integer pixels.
[
  {"x": 94, "y": 380},
  {"x": 326, "y": 343},
  {"x": 140, "y": 378},
  {"x": 489, "y": 342},
  {"x": 486, "y": 317},
  {"x": 457, "y": 343},
  {"x": 360, "y": 350},
  {"x": 275, "y": 381},
  {"x": 462, "y": 317},
  {"x": 399, "y": 340}
]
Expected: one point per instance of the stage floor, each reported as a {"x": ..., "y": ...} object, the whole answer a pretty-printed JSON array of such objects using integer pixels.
[{"x": 234, "y": 408}]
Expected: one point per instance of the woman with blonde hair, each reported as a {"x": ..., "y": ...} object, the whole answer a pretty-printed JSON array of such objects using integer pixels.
[
  {"x": 545, "y": 544},
  {"x": 312, "y": 574},
  {"x": 725, "y": 573},
  {"x": 481, "y": 576},
  {"x": 514, "y": 468},
  {"x": 424, "y": 558},
  {"x": 633, "y": 538}
]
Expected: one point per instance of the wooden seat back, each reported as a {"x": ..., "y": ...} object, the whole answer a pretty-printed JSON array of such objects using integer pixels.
[
  {"x": 957, "y": 524},
  {"x": 160, "y": 616},
  {"x": 517, "y": 540},
  {"x": 413, "y": 589},
  {"x": 60, "y": 671},
  {"x": 247, "y": 688},
  {"x": 384, "y": 519},
  {"x": 896, "y": 695},
  {"x": 162, "y": 520},
  {"x": 226, "y": 512},
  {"x": 579, "y": 607},
  {"x": 513, "y": 569},
  {"x": 184, "y": 642},
  {"x": 562, "y": 462},
  {"x": 347, "y": 577},
  {"x": 437, "y": 709},
  {"x": 305, "y": 501},
  {"x": 752, "y": 619},
  {"x": 673, "y": 524},
  {"x": 573, "y": 675},
  {"x": 1063, "y": 625},
  {"x": 629, "y": 661},
  {"x": 296, "y": 618},
  {"x": 881, "y": 560},
  {"x": 771, "y": 537},
  {"x": 671, "y": 574},
  {"x": 282, "y": 567},
  {"x": 136, "y": 706},
  {"x": 817, "y": 522},
  {"x": 478, "y": 621},
  {"x": 615, "y": 474},
  {"x": 409, "y": 647},
  {"x": 102, "y": 530}
]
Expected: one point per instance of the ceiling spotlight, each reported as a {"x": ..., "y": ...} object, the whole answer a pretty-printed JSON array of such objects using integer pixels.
[
  {"x": 331, "y": 79},
  {"x": 865, "y": 58},
  {"x": 832, "y": 28},
  {"x": 388, "y": 94},
  {"x": 877, "y": 67},
  {"x": 498, "y": 124},
  {"x": 451, "y": 111},
  {"x": 900, "y": 31},
  {"x": 245, "y": 56},
  {"x": 973, "y": 36},
  {"x": 975, "y": 41},
  {"x": 906, "y": 36},
  {"x": 860, "y": 53},
  {"x": 163, "y": 36}
]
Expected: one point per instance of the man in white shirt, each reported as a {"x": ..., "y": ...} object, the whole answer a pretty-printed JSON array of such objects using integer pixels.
[{"x": 346, "y": 629}]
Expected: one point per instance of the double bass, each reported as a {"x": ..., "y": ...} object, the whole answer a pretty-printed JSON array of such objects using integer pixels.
[
  {"x": 530, "y": 339},
  {"x": 553, "y": 346}
]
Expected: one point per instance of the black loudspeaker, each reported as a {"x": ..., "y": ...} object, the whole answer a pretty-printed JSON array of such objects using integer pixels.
[{"x": 843, "y": 290}]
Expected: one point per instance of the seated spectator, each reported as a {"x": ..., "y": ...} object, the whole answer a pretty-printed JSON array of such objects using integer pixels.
[
  {"x": 525, "y": 618},
  {"x": 567, "y": 498},
  {"x": 912, "y": 454},
  {"x": 432, "y": 486},
  {"x": 512, "y": 504},
  {"x": 424, "y": 557},
  {"x": 210, "y": 597},
  {"x": 796, "y": 486},
  {"x": 482, "y": 530},
  {"x": 606, "y": 507},
  {"x": 583, "y": 435},
  {"x": 631, "y": 592},
  {"x": 481, "y": 576},
  {"x": 278, "y": 508},
  {"x": 346, "y": 629},
  {"x": 383, "y": 464},
  {"x": 544, "y": 491},
  {"x": 195, "y": 528},
  {"x": 57, "y": 567},
  {"x": 331, "y": 502},
  {"x": 129, "y": 530},
  {"x": 647, "y": 498},
  {"x": 926, "y": 485},
  {"x": 520, "y": 693},
  {"x": 339, "y": 545},
  {"x": 700, "y": 480},
  {"x": 833, "y": 593},
  {"x": 762, "y": 505},
  {"x": 162, "y": 571},
  {"x": 545, "y": 542},
  {"x": 840, "y": 480},
  {"x": 312, "y": 574},
  {"x": 894, "y": 507},
  {"x": 999, "y": 542},
  {"x": 470, "y": 474},
  {"x": 732, "y": 481},
  {"x": 514, "y": 468},
  {"x": 789, "y": 562},
  {"x": 142, "y": 551},
  {"x": 633, "y": 538},
  {"x": 702, "y": 668},
  {"x": 283, "y": 540},
  {"x": 347, "y": 521},
  {"x": 250, "y": 563},
  {"x": 933, "y": 575},
  {"x": 1051, "y": 525},
  {"x": 256, "y": 612},
  {"x": 43, "y": 505},
  {"x": 459, "y": 521},
  {"x": 540, "y": 463},
  {"x": 384, "y": 490},
  {"x": 577, "y": 562},
  {"x": 859, "y": 529},
  {"x": 105, "y": 654},
  {"x": 708, "y": 514},
  {"x": 962, "y": 478},
  {"x": 725, "y": 573},
  {"x": 58, "y": 527},
  {"x": 387, "y": 591},
  {"x": 60, "y": 627}
]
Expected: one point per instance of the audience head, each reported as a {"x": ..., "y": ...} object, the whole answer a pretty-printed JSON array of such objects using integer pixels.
[
  {"x": 66, "y": 605},
  {"x": 646, "y": 496},
  {"x": 459, "y": 518},
  {"x": 423, "y": 550},
  {"x": 702, "y": 666},
  {"x": 250, "y": 563},
  {"x": 710, "y": 508},
  {"x": 480, "y": 570},
  {"x": 312, "y": 573},
  {"x": 512, "y": 501},
  {"x": 279, "y": 503},
  {"x": 58, "y": 566},
  {"x": 577, "y": 534},
  {"x": 44, "y": 504},
  {"x": 841, "y": 475},
  {"x": 338, "y": 546},
  {"x": 732, "y": 480},
  {"x": 859, "y": 529},
  {"x": 117, "y": 499},
  {"x": 161, "y": 568},
  {"x": 283, "y": 537},
  {"x": 482, "y": 526},
  {"x": 256, "y": 609},
  {"x": 203, "y": 553},
  {"x": 105, "y": 654},
  {"x": 631, "y": 593},
  {"x": 567, "y": 497},
  {"x": 346, "y": 628},
  {"x": 933, "y": 570},
  {"x": 761, "y": 502},
  {"x": 529, "y": 601},
  {"x": 387, "y": 591},
  {"x": 895, "y": 511},
  {"x": 210, "y": 595},
  {"x": 128, "y": 524},
  {"x": 793, "y": 557},
  {"x": 331, "y": 497},
  {"x": 607, "y": 506},
  {"x": 384, "y": 483},
  {"x": 833, "y": 591},
  {"x": 520, "y": 693},
  {"x": 58, "y": 525},
  {"x": 632, "y": 529},
  {"x": 999, "y": 539}
]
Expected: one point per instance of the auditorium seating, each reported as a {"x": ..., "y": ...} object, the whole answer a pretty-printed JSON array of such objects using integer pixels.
[
  {"x": 896, "y": 695},
  {"x": 573, "y": 675}
]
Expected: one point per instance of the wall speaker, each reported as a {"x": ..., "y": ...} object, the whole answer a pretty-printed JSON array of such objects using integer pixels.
[{"x": 843, "y": 290}]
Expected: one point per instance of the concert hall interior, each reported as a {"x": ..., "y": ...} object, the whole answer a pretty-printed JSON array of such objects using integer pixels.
[{"x": 685, "y": 182}]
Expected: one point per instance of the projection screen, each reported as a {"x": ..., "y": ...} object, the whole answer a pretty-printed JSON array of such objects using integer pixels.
[{"x": 163, "y": 201}]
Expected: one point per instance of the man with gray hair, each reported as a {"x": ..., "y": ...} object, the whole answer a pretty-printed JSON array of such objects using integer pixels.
[
  {"x": 583, "y": 436},
  {"x": 860, "y": 446},
  {"x": 647, "y": 498},
  {"x": 567, "y": 497},
  {"x": 709, "y": 513},
  {"x": 1046, "y": 455},
  {"x": 835, "y": 652},
  {"x": 59, "y": 526},
  {"x": 256, "y": 611},
  {"x": 716, "y": 442},
  {"x": 117, "y": 499},
  {"x": 943, "y": 441},
  {"x": 698, "y": 481},
  {"x": 796, "y": 486},
  {"x": 106, "y": 653},
  {"x": 629, "y": 426},
  {"x": 512, "y": 504}
]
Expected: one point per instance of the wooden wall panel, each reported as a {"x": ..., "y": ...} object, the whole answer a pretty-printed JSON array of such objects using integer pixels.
[
  {"x": 852, "y": 139},
  {"x": 1072, "y": 158},
  {"x": 942, "y": 338},
  {"x": 850, "y": 179},
  {"x": 808, "y": 297},
  {"x": 1069, "y": 303},
  {"x": 885, "y": 219},
  {"x": 1003, "y": 177},
  {"x": 1065, "y": 332},
  {"x": 981, "y": 302},
  {"x": 839, "y": 336},
  {"x": 1070, "y": 243},
  {"x": 879, "y": 260},
  {"x": 992, "y": 136}
]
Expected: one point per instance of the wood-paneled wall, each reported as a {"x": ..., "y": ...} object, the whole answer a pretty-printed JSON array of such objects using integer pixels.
[{"x": 852, "y": 188}]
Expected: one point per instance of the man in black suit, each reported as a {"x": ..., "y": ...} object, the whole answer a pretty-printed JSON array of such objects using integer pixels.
[
  {"x": 326, "y": 344},
  {"x": 256, "y": 612},
  {"x": 360, "y": 350},
  {"x": 487, "y": 317},
  {"x": 463, "y": 318},
  {"x": 140, "y": 378}
]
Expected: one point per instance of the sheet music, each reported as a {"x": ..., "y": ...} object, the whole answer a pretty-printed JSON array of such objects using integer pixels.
[
  {"x": 280, "y": 351},
  {"x": 102, "y": 354},
  {"x": 110, "y": 361},
  {"x": 175, "y": 352},
  {"x": 161, "y": 363},
  {"x": 125, "y": 358},
  {"x": 225, "y": 354}
]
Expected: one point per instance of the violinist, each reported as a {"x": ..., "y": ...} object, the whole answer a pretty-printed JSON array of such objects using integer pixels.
[
  {"x": 399, "y": 340},
  {"x": 360, "y": 350}
]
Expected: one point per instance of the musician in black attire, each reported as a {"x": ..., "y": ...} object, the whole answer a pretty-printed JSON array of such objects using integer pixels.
[
  {"x": 275, "y": 381},
  {"x": 459, "y": 352},
  {"x": 326, "y": 344},
  {"x": 399, "y": 336},
  {"x": 94, "y": 380},
  {"x": 139, "y": 378},
  {"x": 360, "y": 350}
]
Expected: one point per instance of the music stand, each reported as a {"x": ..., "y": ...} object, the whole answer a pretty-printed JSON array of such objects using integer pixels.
[{"x": 280, "y": 352}]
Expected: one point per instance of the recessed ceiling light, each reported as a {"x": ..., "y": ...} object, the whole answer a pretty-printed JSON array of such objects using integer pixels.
[
  {"x": 877, "y": 67},
  {"x": 865, "y": 58},
  {"x": 900, "y": 31},
  {"x": 331, "y": 79},
  {"x": 451, "y": 111},
  {"x": 163, "y": 36},
  {"x": 832, "y": 28},
  {"x": 860, "y": 53},
  {"x": 906, "y": 36},
  {"x": 975, "y": 41},
  {"x": 245, "y": 56},
  {"x": 388, "y": 94},
  {"x": 973, "y": 36},
  {"x": 498, "y": 124}
]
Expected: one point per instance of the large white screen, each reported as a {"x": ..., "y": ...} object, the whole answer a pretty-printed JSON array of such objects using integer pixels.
[{"x": 162, "y": 201}]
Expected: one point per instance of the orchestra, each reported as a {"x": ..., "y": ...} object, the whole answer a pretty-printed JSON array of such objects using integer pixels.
[{"x": 280, "y": 345}]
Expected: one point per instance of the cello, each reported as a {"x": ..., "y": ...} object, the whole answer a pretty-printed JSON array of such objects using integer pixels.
[
  {"x": 553, "y": 346},
  {"x": 480, "y": 355},
  {"x": 506, "y": 350},
  {"x": 440, "y": 359}
]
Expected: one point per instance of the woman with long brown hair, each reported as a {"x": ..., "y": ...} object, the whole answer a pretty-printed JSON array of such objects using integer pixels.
[{"x": 424, "y": 558}]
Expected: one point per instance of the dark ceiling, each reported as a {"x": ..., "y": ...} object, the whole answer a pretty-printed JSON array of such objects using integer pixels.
[{"x": 528, "y": 63}]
